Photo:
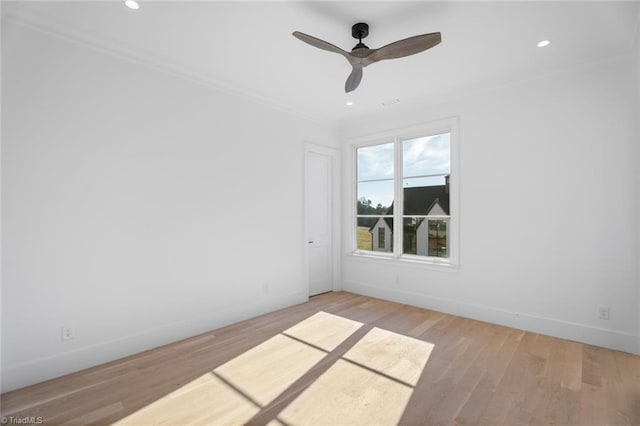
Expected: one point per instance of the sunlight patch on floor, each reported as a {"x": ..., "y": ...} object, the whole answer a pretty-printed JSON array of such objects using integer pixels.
[
  {"x": 348, "y": 394},
  {"x": 400, "y": 357},
  {"x": 371, "y": 384},
  {"x": 324, "y": 330},
  {"x": 264, "y": 372},
  {"x": 206, "y": 400}
]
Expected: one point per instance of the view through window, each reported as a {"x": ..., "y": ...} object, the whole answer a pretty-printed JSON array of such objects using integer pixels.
[{"x": 418, "y": 182}]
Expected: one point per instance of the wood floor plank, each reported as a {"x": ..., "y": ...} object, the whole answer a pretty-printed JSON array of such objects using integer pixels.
[{"x": 342, "y": 358}]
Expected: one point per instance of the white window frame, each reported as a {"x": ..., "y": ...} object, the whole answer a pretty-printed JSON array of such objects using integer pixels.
[{"x": 446, "y": 125}]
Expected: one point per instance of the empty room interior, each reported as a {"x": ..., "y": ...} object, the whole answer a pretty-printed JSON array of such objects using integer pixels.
[{"x": 320, "y": 213}]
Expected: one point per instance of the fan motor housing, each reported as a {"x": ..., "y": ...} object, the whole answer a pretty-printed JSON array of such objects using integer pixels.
[{"x": 360, "y": 30}]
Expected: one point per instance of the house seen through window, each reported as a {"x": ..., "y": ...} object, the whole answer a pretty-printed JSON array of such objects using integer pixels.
[{"x": 418, "y": 182}]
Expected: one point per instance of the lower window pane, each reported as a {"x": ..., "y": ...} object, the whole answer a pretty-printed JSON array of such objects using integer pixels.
[
  {"x": 425, "y": 237},
  {"x": 375, "y": 234},
  {"x": 438, "y": 238},
  {"x": 410, "y": 227}
]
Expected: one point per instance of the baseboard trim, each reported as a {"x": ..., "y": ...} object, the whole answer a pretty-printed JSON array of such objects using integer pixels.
[
  {"x": 612, "y": 339},
  {"x": 39, "y": 370}
]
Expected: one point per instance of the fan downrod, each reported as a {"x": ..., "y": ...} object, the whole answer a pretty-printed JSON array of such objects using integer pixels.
[{"x": 360, "y": 31}]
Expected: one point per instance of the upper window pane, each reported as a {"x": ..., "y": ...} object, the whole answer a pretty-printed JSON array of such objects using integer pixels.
[
  {"x": 375, "y": 197},
  {"x": 428, "y": 155},
  {"x": 427, "y": 200},
  {"x": 375, "y": 162}
]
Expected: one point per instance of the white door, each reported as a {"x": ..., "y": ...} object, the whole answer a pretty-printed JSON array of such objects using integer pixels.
[{"x": 319, "y": 224}]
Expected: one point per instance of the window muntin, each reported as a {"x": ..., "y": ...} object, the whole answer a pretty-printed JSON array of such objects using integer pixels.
[{"x": 421, "y": 186}]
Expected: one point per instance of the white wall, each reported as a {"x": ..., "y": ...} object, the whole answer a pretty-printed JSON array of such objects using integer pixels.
[
  {"x": 556, "y": 158},
  {"x": 638, "y": 162},
  {"x": 138, "y": 208}
]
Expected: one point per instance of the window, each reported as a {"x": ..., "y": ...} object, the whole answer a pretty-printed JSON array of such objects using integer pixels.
[
  {"x": 426, "y": 168},
  {"x": 375, "y": 183},
  {"x": 405, "y": 201}
]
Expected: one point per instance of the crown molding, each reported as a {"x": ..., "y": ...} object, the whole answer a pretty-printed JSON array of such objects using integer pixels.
[{"x": 75, "y": 36}]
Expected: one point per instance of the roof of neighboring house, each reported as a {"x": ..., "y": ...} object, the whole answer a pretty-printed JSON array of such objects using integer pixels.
[
  {"x": 388, "y": 220},
  {"x": 420, "y": 200}
]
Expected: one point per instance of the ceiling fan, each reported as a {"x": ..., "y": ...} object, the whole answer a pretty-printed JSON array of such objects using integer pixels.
[{"x": 361, "y": 56}]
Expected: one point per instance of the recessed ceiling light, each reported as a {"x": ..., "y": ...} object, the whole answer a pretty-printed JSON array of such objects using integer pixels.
[
  {"x": 132, "y": 4},
  {"x": 544, "y": 43},
  {"x": 349, "y": 103}
]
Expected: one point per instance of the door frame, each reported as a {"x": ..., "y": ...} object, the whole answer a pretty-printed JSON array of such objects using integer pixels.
[{"x": 334, "y": 156}]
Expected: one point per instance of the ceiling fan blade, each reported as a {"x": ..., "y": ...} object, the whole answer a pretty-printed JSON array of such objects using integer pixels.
[
  {"x": 353, "y": 80},
  {"x": 320, "y": 44},
  {"x": 408, "y": 46}
]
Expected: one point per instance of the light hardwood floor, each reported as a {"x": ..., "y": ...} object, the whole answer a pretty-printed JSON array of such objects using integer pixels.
[{"x": 348, "y": 359}]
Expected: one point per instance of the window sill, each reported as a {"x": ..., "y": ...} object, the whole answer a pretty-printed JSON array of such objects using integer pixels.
[{"x": 408, "y": 260}]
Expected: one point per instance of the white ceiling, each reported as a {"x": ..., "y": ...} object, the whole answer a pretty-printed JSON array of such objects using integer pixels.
[{"x": 247, "y": 48}]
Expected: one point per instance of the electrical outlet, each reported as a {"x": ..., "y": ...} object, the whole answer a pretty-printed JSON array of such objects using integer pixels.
[
  {"x": 68, "y": 333},
  {"x": 603, "y": 312}
]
